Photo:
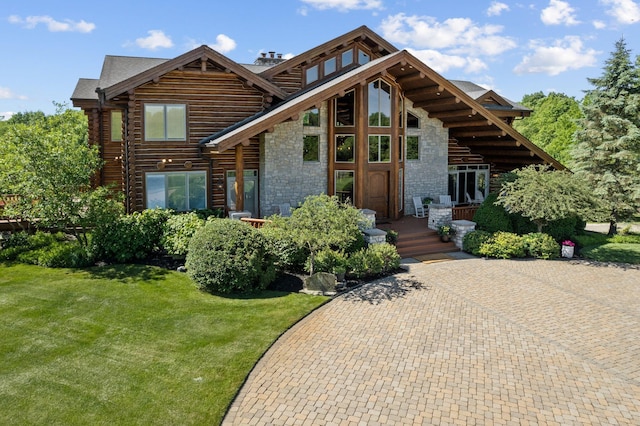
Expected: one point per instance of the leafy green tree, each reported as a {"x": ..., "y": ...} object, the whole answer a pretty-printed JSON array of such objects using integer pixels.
[
  {"x": 544, "y": 195},
  {"x": 323, "y": 222},
  {"x": 607, "y": 151},
  {"x": 47, "y": 162},
  {"x": 552, "y": 124}
]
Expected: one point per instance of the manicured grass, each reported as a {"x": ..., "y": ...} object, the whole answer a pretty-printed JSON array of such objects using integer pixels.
[
  {"x": 128, "y": 345},
  {"x": 613, "y": 252}
]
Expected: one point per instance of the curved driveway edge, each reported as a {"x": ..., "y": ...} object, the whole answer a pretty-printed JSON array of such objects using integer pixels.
[{"x": 461, "y": 342}]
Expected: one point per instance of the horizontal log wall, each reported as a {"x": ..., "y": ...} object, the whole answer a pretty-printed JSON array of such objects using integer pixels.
[
  {"x": 214, "y": 101},
  {"x": 290, "y": 82}
]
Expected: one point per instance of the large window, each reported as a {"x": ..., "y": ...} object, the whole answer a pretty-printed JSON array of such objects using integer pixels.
[
  {"x": 346, "y": 109},
  {"x": 310, "y": 150},
  {"x": 165, "y": 122},
  {"x": 312, "y": 74},
  {"x": 468, "y": 182},
  {"x": 345, "y": 148},
  {"x": 180, "y": 191},
  {"x": 379, "y": 104},
  {"x": 379, "y": 148},
  {"x": 344, "y": 185},
  {"x": 311, "y": 118},
  {"x": 412, "y": 152},
  {"x": 116, "y": 125}
]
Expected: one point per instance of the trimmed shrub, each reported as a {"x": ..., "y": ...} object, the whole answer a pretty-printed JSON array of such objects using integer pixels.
[
  {"x": 228, "y": 256},
  {"x": 563, "y": 229},
  {"x": 541, "y": 246},
  {"x": 68, "y": 254},
  {"x": 473, "y": 240},
  {"x": 391, "y": 237},
  {"x": 328, "y": 260},
  {"x": 20, "y": 246},
  {"x": 289, "y": 256},
  {"x": 503, "y": 245},
  {"x": 134, "y": 236},
  {"x": 374, "y": 260},
  {"x": 177, "y": 232},
  {"x": 491, "y": 217}
]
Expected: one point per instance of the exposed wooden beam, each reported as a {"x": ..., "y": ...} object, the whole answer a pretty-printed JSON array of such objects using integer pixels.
[
  {"x": 441, "y": 101},
  {"x": 467, "y": 112},
  {"x": 416, "y": 76},
  {"x": 429, "y": 90},
  {"x": 468, "y": 123},
  {"x": 484, "y": 142},
  {"x": 492, "y": 152},
  {"x": 478, "y": 133}
]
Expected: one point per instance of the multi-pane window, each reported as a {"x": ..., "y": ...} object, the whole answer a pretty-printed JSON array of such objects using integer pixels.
[
  {"x": 468, "y": 182},
  {"x": 347, "y": 57},
  {"x": 379, "y": 148},
  {"x": 345, "y": 148},
  {"x": 379, "y": 104},
  {"x": 346, "y": 109},
  {"x": 412, "y": 152},
  {"x": 413, "y": 122},
  {"x": 344, "y": 185},
  {"x": 311, "y": 118},
  {"x": 363, "y": 57},
  {"x": 180, "y": 191},
  {"x": 330, "y": 66},
  {"x": 165, "y": 122},
  {"x": 116, "y": 125},
  {"x": 312, "y": 74},
  {"x": 310, "y": 151}
]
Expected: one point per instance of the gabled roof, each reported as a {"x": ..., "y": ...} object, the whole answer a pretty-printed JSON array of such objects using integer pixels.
[
  {"x": 463, "y": 115},
  {"x": 490, "y": 99},
  {"x": 204, "y": 53},
  {"x": 122, "y": 73},
  {"x": 363, "y": 34}
]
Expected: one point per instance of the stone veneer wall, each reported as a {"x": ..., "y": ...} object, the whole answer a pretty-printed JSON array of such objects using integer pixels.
[
  {"x": 427, "y": 176},
  {"x": 284, "y": 177}
]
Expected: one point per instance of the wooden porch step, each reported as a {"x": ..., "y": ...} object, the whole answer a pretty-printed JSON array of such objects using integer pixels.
[{"x": 416, "y": 239}]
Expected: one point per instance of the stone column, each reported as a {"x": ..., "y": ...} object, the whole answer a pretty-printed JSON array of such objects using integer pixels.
[
  {"x": 439, "y": 214},
  {"x": 461, "y": 228}
]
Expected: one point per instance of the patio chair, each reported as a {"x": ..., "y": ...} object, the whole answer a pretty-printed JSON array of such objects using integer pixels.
[
  {"x": 285, "y": 209},
  {"x": 446, "y": 200},
  {"x": 479, "y": 196},
  {"x": 419, "y": 208}
]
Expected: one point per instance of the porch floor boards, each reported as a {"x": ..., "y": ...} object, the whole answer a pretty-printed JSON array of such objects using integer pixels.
[{"x": 415, "y": 238}]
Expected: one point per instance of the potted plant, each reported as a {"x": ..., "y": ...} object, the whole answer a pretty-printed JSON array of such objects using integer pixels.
[
  {"x": 426, "y": 201},
  {"x": 445, "y": 232},
  {"x": 340, "y": 271},
  {"x": 568, "y": 248}
]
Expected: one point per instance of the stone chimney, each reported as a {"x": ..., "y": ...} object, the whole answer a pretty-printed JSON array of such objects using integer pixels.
[{"x": 269, "y": 59}]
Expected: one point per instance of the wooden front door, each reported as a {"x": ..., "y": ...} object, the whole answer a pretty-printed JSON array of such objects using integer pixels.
[{"x": 378, "y": 193}]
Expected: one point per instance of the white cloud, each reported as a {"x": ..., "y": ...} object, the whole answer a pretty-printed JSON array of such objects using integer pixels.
[
  {"x": 497, "y": 8},
  {"x": 442, "y": 63},
  {"x": 344, "y": 5},
  {"x": 559, "y": 12},
  {"x": 599, "y": 25},
  {"x": 460, "y": 35},
  {"x": 223, "y": 44},
  {"x": 6, "y": 93},
  {"x": 52, "y": 25},
  {"x": 566, "y": 54},
  {"x": 6, "y": 115},
  {"x": 157, "y": 39},
  {"x": 624, "y": 11}
]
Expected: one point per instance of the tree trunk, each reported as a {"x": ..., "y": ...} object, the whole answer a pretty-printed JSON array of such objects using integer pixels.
[{"x": 613, "y": 228}]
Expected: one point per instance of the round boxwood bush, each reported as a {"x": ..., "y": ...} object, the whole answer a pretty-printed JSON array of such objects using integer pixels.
[
  {"x": 541, "y": 246},
  {"x": 473, "y": 240},
  {"x": 229, "y": 256},
  {"x": 491, "y": 217},
  {"x": 503, "y": 245}
]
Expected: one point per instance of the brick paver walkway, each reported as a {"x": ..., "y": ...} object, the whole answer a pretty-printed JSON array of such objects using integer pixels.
[{"x": 464, "y": 342}]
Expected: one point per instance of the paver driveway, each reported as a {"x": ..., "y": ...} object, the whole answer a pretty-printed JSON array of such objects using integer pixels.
[{"x": 463, "y": 342}]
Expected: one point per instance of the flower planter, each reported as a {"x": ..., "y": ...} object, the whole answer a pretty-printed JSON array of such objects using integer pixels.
[{"x": 567, "y": 251}]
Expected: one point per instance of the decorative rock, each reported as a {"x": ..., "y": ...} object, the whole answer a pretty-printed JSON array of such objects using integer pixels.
[
  {"x": 320, "y": 281},
  {"x": 181, "y": 268}
]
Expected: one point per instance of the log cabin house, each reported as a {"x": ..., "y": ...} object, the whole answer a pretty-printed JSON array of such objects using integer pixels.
[{"x": 354, "y": 117}]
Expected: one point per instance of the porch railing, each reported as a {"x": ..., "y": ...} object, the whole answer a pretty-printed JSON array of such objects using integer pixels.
[{"x": 463, "y": 212}]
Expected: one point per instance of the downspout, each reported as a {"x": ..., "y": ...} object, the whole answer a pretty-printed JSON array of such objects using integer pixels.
[{"x": 125, "y": 159}]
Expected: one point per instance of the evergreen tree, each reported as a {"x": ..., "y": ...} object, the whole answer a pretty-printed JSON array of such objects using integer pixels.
[{"x": 607, "y": 150}]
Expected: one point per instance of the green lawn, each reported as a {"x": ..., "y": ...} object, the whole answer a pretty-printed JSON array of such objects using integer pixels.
[
  {"x": 128, "y": 345},
  {"x": 613, "y": 252}
]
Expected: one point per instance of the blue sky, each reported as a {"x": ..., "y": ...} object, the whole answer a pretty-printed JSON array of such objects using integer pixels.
[{"x": 514, "y": 47}]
